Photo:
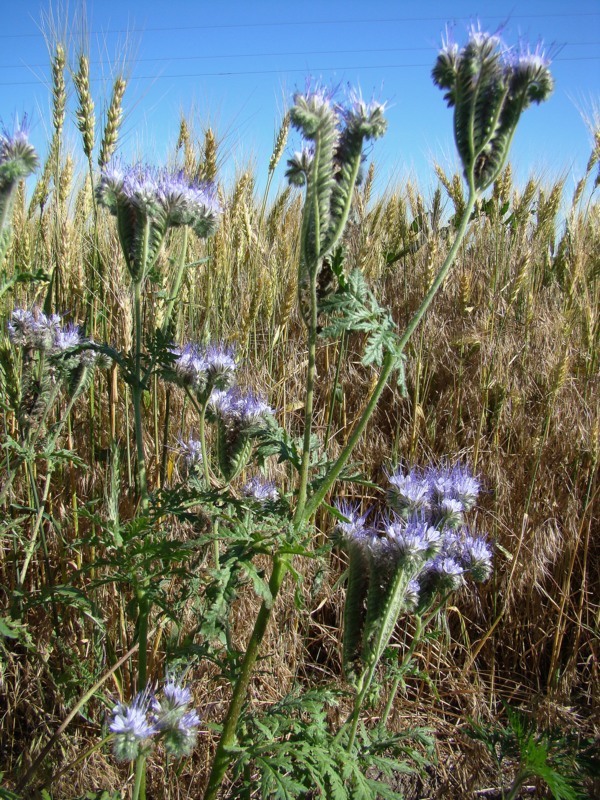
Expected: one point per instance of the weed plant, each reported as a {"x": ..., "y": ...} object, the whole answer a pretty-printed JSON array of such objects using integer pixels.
[{"x": 221, "y": 409}]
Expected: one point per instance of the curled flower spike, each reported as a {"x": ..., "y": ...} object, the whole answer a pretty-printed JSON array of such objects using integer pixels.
[
  {"x": 413, "y": 541},
  {"x": 239, "y": 411},
  {"x": 409, "y": 494},
  {"x": 66, "y": 338},
  {"x": 175, "y": 721},
  {"x": 312, "y": 110},
  {"x": 34, "y": 329},
  {"x": 180, "y": 740},
  {"x": 411, "y": 597},
  {"x": 465, "y": 486},
  {"x": 364, "y": 119},
  {"x": 476, "y": 558},
  {"x": 298, "y": 166},
  {"x": 443, "y": 574},
  {"x": 489, "y": 86}
]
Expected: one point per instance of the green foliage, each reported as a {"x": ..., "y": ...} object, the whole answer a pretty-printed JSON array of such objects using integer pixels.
[
  {"x": 562, "y": 761},
  {"x": 353, "y": 307},
  {"x": 290, "y": 752}
]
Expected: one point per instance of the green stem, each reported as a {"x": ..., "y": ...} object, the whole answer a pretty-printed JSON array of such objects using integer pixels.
[
  {"x": 308, "y": 405},
  {"x": 401, "y": 669},
  {"x": 176, "y": 285},
  {"x": 336, "y": 383},
  {"x": 202, "y": 433},
  {"x": 223, "y": 756},
  {"x": 516, "y": 785},
  {"x": 143, "y": 615},
  {"x": 137, "y": 393},
  {"x": 389, "y": 363},
  {"x": 139, "y": 787}
]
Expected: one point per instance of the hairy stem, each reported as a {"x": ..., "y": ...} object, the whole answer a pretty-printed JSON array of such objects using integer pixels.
[
  {"x": 308, "y": 404},
  {"x": 389, "y": 363},
  {"x": 176, "y": 285},
  {"x": 139, "y": 787},
  {"x": 137, "y": 392},
  {"x": 223, "y": 756}
]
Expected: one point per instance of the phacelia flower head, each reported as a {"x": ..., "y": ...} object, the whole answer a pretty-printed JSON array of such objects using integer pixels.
[
  {"x": 313, "y": 110},
  {"x": 181, "y": 739},
  {"x": 414, "y": 541},
  {"x": 191, "y": 450},
  {"x": 132, "y": 727},
  {"x": 411, "y": 596},
  {"x": 261, "y": 490},
  {"x": 365, "y": 119},
  {"x": 528, "y": 70},
  {"x": 489, "y": 85},
  {"x": 21, "y": 327},
  {"x": 239, "y": 411},
  {"x": 220, "y": 366},
  {"x": 67, "y": 338},
  {"x": 147, "y": 201},
  {"x": 188, "y": 203},
  {"x": 18, "y": 158},
  {"x": 476, "y": 557},
  {"x": 299, "y": 165},
  {"x": 443, "y": 574},
  {"x": 190, "y": 367},
  {"x": 465, "y": 486},
  {"x": 355, "y": 528},
  {"x": 34, "y": 329},
  {"x": 174, "y": 720},
  {"x": 409, "y": 494},
  {"x": 480, "y": 38}
]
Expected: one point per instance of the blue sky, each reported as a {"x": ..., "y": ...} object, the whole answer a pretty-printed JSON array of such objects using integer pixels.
[{"x": 234, "y": 65}]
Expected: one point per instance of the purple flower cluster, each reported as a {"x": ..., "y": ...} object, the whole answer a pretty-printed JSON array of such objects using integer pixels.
[
  {"x": 423, "y": 532},
  {"x": 489, "y": 85},
  {"x": 440, "y": 494},
  {"x": 521, "y": 60},
  {"x": 191, "y": 450},
  {"x": 34, "y": 330},
  {"x": 169, "y": 718},
  {"x": 18, "y": 158},
  {"x": 159, "y": 195},
  {"x": 362, "y": 117},
  {"x": 318, "y": 104},
  {"x": 199, "y": 368},
  {"x": 259, "y": 489},
  {"x": 238, "y": 411}
]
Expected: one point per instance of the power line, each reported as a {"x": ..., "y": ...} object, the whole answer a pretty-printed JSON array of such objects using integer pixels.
[
  {"x": 268, "y": 55},
  {"x": 312, "y": 23},
  {"x": 234, "y": 73}
]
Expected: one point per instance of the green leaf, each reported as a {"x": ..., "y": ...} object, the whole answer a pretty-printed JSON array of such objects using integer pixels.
[
  {"x": 8, "y": 628},
  {"x": 261, "y": 586}
]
